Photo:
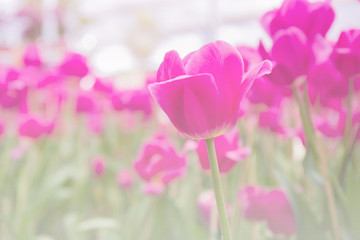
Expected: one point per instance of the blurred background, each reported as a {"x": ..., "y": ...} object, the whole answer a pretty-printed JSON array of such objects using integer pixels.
[{"x": 129, "y": 37}]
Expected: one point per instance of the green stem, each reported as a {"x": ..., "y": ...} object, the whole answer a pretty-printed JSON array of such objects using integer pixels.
[{"x": 219, "y": 195}]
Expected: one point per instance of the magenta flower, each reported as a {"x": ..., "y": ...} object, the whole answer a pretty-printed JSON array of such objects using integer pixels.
[
  {"x": 85, "y": 103},
  {"x": 32, "y": 56},
  {"x": 1, "y": 128},
  {"x": 278, "y": 213},
  {"x": 98, "y": 166},
  {"x": 272, "y": 207},
  {"x": 229, "y": 151},
  {"x": 292, "y": 56},
  {"x": 125, "y": 179},
  {"x": 272, "y": 120},
  {"x": 251, "y": 200},
  {"x": 311, "y": 17},
  {"x": 346, "y": 54},
  {"x": 159, "y": 164},
  {"x": 74, "y": 65},
  {"x": 33, "y": 127},
  {"x": 201, "y": 93},
  {"x": 135, "y": 100}
]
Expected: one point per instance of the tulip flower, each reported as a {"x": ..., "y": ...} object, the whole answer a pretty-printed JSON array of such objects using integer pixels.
[
  {"x": 346, "y": 54},
  {"x": 250, "y": 198},
  {"x": 158, "y": 164},
  {"x": 273, "y": 207},
  {"x": 33, "y": 127},
  {"x": 310, "y": 17},
  {"x": 228, "y": 151},
  {"x": 98, "y": 166},
  {"x": 201, "y": 94},
  {"x": 125, "y": 179},
  {"x": 278, "y": 213},
  {"x": 32, "y": 56},
  {"x": 74, "y": 65}
]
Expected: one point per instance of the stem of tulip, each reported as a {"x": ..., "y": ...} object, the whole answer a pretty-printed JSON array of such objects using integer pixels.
[{"x": 219, "y": 195}]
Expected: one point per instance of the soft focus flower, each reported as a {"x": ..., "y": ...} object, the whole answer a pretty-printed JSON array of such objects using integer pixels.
[
  {"x": 74, "y": 65},
  {"x": 346, "y": 54},
  {"x": 229, "y": 151},
  {"x": 201, "y": 93},
  {"x": 250, "y": 199},
  {"x": 278, "y": 213},
  {"x": 34, "y": 127},
  {"x": 1, "y": 128},
  {"x": 292, "y": 56},
  {"x": 158, "y": 163},
  {"x": 32, "y": 56},
  {"x": 135, "y": 100},
  {"x": 271, "y": 119},
  {"x": 272, "y": 207},
  {"x": 85, "y": 103},
  {"x": 125, "y": 179},
  {"x": 98, "y": 166},
  {"x": 310, "y": 17}
]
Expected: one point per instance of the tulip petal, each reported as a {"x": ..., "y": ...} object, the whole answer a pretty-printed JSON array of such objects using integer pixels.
[
  {"x": 259, "y": 70},
  {"x": 171, "y": 67},
  {"x": 191, "y": 103},
  {"x": 225, "y": 64}
]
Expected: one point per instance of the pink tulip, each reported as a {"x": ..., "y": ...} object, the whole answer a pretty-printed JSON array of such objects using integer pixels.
[
  {"x": 278, "y": 213},
  {"x": 312, "y": 18},
  {"x": 158, "y": 163},
  {"x": 98, "y": 166},
  {"x": 271, "y": 119},
  {"x": 125, "y": 179},
  {"x": 251, "y": 200},
  {"x": 292, "y": 56},
  {"x": 327, "y": 84},
  {"x": 201, "y": 94},
  {"x": 13, "y": 91},
  {"x": 85, "y": 103},
  {"x": 272, "y": 207},
  {"x": 74, "y": 65},
  {"x": 229, "y": 151},
  {"x": 32, "y": 56},
  {"x": 135, "y": 100},
  {"x": 1, "y": 128},
  {"x": 346, "y": 55},
  {"x": 34, "y": 127}
]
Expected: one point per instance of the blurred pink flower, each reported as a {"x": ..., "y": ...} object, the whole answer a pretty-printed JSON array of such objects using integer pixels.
[
  {"x": 32, "y": 56},
  {"x": 13, "y": 90},
  {"x": 278, "y": 213},
  {"x": 292, "y": 56},
  {"x": 229, "y": 151},
  {"x": 98, "y": 166},
  {"x": 74, "y": 65},
  {"x": 135, "y": 100},
  {"x": 346, "y": 54},
  {"x": 1, "y": 127},
  {"x": 262, "y": 91},
  {"x": 35, "y": 127},
  {"x": 251, "y": 200},
  {"x": 85, "y": 103},
  {"x": 310, "y": 17},
  {"x": 201, "y": 94},
  {"x": 125, "y": 178},
  {"x": 272, "y": 207},
  {"x": 272, "y": 119},
  {"x": 158, "y": 163}
]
